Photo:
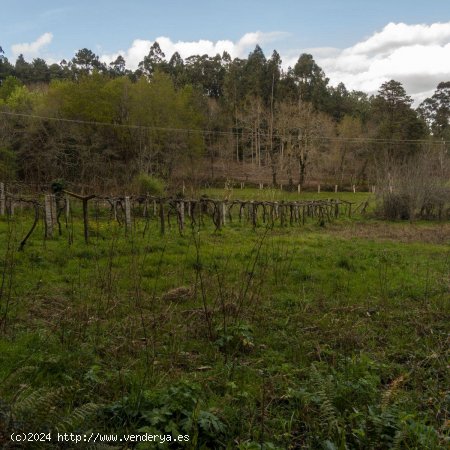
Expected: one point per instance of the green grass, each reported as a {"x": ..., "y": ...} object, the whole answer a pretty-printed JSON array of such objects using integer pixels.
[
  {"x": 294, "y": 337},
  {"x": 271, "y": 194}
]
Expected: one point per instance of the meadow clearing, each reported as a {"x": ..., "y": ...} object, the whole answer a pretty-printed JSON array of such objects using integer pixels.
[{"x": 323, "y": 336}]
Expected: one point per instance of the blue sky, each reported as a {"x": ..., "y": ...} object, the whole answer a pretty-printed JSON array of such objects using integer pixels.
[
  {"x": 110, "y": 24},
  {"x": 328, "y": 28}
]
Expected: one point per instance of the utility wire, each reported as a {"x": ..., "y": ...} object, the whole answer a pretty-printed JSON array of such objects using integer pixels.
[{"x": 227, "y": 133}]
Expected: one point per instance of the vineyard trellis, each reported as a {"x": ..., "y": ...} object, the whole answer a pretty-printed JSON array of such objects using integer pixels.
[{"x": 125, "y": 210}]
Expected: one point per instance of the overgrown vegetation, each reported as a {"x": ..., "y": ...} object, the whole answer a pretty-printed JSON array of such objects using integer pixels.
[{"x": 241, "y": 338}]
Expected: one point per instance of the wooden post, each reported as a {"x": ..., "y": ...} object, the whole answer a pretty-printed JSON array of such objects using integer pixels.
[
  {"x": 161, "y": 215},
  {"x": 2, "y": 199},
  {"x": 86, "y": 220},
  {"x": 67, "y": 209},
  {"x": 224, "y": 213},
  {"x": 354, "y": 189},
  {"x": 127, "y": 214},
  {"x": 54, "y": 210},
  {"x": 335, "y": 188},
  {"x": 318, "y": 188},
  {"x": 181, "y": 209},
  {"x": 253, "y": 212},
  {"x": 48, "y": 216},
  {"x": 242, "y": 185},
  {"x": 85, "y": 200},
  {"x": 299, "y": 189}
]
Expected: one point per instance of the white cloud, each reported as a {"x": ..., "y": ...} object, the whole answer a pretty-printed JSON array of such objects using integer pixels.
[
  {"x": 416, "y": 55},
  {"x": 140, "y": 47},
  {"x": 32, "y": 50}
]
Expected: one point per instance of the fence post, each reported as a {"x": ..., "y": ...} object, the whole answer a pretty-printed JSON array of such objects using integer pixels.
[
  {"x": 224, "y": 213},
  {"x": 299, "y": 189},
  {"x": 54, "y": 210},
  {"x": 161, "y": 215},
  {"x": 335, "y": 188},
  {"x": 67, "y": 209},
  {"x": 127, "y": 214},
  {"x": 48, "y": 216},
  {"x": 318, "y": 188},
  {"x": 181, "y": 206},
  {"x": 2, "y": 199},
  {"x": 189, "y": 209}
]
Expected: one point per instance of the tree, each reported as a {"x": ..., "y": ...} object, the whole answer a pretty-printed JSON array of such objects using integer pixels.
[
  {"x": 270, "y": 94},
  {"x": 86, "y": 61},
  {"x": 349, "y": 150},
  {"x": 311, "y": 81},
  {"x": 118, "y": 66},
  {"x": 6, "y": 69},
  {"x": 39, "y": 71},
  {"x": 254, "y": 73},
  {"x": 9, "y": 85},
  {"x": 176, "y": 70},
  {"x": 206, "y": 73},
  {"x": 23, "y": 69},
  {"x": 301, "y": 128},
  {"x": 153, "y": 61},
  {"x": 436, "y": 111},
  {"x": 55, "y": 72},
  {"x": 395, "y": 119}
]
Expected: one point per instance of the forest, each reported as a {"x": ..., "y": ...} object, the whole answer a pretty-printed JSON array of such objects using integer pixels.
[{"x": 210, "y": 119}]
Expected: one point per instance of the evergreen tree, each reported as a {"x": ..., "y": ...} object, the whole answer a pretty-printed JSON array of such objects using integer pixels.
[
  {"x": 23, "y": 69},
  {"x": 86, "y": 61},
  {"x": 311, "y": 81},
  {"x": 436, "y": 111}
]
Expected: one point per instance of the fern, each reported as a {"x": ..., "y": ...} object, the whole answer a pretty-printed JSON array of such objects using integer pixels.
[
  {"x": 324, "y": 393},
  {"x": 43, "y": 409},
  {"x": 39, "y": 407},
  {"x": 392, "y": 390},
  {"x": 77, "y": 417}
]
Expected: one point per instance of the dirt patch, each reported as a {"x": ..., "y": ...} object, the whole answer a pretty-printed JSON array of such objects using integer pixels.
[{"x": 438, "y": 233}]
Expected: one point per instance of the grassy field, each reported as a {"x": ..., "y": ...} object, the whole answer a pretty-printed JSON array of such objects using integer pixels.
[{"x": 313, "y": 337}]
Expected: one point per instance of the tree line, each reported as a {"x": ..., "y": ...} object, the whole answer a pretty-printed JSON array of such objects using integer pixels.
[{"x": 201, "y": 117}]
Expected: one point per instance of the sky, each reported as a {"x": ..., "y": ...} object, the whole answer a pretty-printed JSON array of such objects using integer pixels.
[{"x": 360, "y": 43}]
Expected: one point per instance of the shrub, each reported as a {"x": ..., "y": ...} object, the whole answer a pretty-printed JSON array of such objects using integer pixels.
[
  {"x": 395, "y": 206},
  {"x": 414, "y": 189},
  {"x": 148, "y": 184}
]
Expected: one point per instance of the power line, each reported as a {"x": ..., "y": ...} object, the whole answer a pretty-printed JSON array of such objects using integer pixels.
[{"x": 227, "y": 133}]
